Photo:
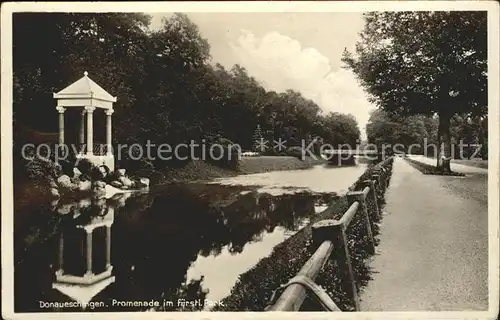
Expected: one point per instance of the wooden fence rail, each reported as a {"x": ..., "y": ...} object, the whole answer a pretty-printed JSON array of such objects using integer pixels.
[{"x": 331, "y": 240}]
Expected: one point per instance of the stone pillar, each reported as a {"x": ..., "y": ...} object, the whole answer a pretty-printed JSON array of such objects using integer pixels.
[
  {"x": 373, "y": 192},
  {"x": 61, "y": 124},
  {"x": 90, "y": 130},
  {"x": 108, "y": 131},
  {"x": 89, "y": 251},
  {"x": 61, "y": 254},
  {"x": 82, "y": 131},
  {"x": 108, "y": 246}
]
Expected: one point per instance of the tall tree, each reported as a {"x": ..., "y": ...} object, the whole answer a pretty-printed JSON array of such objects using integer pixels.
[
  {"x": 424, "y": 63},
  {"x": 257, "y": 138},
  {"x": 382, "y": 129}
]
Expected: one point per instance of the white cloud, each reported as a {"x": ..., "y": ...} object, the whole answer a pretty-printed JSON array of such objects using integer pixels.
[{"x": 280, "y": 62}]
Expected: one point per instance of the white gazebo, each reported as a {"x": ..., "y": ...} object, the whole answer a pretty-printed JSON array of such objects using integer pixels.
[{"x": 88, "y": 95}]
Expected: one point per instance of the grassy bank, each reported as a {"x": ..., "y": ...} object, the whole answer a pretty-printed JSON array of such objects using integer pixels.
[
  {"x": 275, "y": 163},
  {"x": 429, "y": 169},
  {"x": 255, "y": 287},
  {"x": 201, "y": 170}
]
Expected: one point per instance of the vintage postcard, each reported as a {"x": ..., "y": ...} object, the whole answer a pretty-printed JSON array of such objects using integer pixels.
[{"x": 221, "y": 160}]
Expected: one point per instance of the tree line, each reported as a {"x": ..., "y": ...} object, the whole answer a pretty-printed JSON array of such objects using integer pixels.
[
  {"x": 431, "y": 63},
  {"x": 417, "y": 134},
  {"x": 168, "y": 89}
]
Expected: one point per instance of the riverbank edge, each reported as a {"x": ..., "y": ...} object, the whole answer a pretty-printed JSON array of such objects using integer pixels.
[
  {"x": 199, "y": 170},
  {"x": 254, "y": 288},
  {"x": 194, "y": 171}
]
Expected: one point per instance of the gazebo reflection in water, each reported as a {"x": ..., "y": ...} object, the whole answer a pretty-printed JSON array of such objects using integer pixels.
[{"x": 84, "y": 266}]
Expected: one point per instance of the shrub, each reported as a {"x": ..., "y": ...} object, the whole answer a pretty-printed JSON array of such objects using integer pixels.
[
  {"x": 85, "y": 166},
  {"x": 98, "y": 172},
  {"x": 105, "y": 169},
  {"x": 294, "y": 152},
  {"x": 143, "y": 163},
  {"x": 270, "y": 152},
  {"x": 225, "y": 157},
  {"x": 155, "y": 177},
  {"x": 40, "y": 168},
  {"x": 66, "y": 167}
]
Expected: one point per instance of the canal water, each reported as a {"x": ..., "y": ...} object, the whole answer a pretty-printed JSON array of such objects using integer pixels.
[{"x": 183, "y": 241}]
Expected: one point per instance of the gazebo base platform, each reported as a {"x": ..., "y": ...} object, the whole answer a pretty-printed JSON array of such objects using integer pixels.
[{"x": 107, "y": 160}]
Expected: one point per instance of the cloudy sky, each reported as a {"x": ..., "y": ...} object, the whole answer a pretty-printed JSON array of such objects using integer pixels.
[{"x": 299, "y": 51}]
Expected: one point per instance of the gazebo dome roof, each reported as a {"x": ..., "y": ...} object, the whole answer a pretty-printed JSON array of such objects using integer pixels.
[{"x": 84, "y": 88}]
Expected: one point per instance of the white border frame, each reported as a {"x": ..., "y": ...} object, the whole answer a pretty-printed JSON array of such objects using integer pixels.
[{"x": 264, "y": 6}]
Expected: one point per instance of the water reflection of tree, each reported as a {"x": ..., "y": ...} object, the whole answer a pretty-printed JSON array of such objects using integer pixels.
[
  {"x": 157, "y": 237},
  {"x": 32, "y": 227},
  {"x": 191, "y": 291},
  {"x": 168, "y": 236},
  {"x": 255, "y": 213},
  {"x": 155, "y": 247}
]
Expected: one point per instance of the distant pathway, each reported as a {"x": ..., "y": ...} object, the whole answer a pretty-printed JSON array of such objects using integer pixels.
[{"x": 433, "y": 252}]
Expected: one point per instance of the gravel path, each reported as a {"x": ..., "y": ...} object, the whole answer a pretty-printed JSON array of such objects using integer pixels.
[{"x": 433, "y": 253}]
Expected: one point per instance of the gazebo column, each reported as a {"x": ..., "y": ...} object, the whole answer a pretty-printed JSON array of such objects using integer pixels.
[
  {"x": 108, "y": 246},
  {"x": 90, "y": 130},
  {"x": 61, "y": 125},
  {"x": 109, "y": 112},
  {"x": 89, "y": 231},
  {"x": 60, "y": 270},
  {"x": 82, "y": 131}
]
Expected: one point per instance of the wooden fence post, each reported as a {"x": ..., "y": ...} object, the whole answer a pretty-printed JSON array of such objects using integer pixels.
[
  {"x": 294, "y": 295},
  {"x": 385, "y": 176},
  {"x": 389, "y": 168},
  {"x": 371, "y": 184},
  {"x": 359, "y": 196},
  {"x": 382, "y": 175},
  {"x": 334, "y": 231},
  {"x": 377, "y": 178}
]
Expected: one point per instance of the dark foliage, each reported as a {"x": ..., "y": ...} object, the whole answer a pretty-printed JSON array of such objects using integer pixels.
[
  {"x": 168, "y": 92},
  {"x": 425, "y": 62}
]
